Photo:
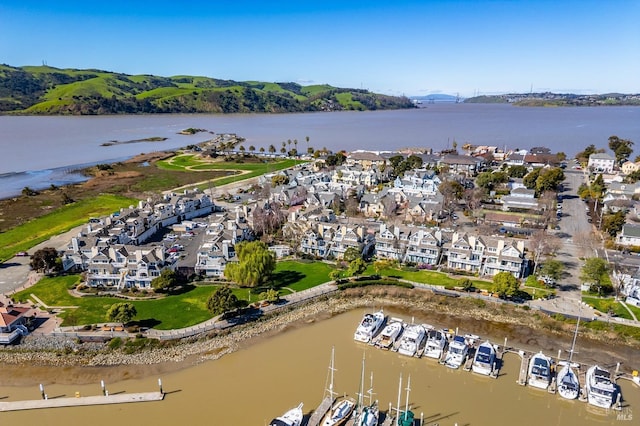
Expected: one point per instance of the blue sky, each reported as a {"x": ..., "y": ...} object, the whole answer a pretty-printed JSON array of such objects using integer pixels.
[{"x": 395, "y": 47}]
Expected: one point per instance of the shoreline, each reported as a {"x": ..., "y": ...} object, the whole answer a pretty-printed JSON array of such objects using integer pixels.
[{"x": 65, "y": 361}]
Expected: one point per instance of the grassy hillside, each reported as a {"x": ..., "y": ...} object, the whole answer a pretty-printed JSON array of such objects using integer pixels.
[{"x": 51, "y": 91}]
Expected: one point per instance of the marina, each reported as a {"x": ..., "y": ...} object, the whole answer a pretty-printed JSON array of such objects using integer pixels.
[{"x": 262, "y": 374}]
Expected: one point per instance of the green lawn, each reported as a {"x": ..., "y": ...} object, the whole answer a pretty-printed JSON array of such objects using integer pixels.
[
  {"x": 171, "y": 312},
  {"x": 300, "y": 276},
  {"x": 24, "y": 237},
  {"x": 429, "y": 277},
  {"x": 609, "y": 303}
]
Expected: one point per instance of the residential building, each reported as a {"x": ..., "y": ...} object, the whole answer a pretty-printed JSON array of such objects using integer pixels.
[
  {"x": 423, "y": 247},
  {"x": 629, "y": 236},
  {"x": 601, "y": 163}
]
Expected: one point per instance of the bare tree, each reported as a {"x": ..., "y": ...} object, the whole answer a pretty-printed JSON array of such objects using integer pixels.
[{"x": 541, "y": 243}]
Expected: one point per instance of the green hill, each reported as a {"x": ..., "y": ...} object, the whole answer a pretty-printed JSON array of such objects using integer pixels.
[{"x": 53, "y": 91}]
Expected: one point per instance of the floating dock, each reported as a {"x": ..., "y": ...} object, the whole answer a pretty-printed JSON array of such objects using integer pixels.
[
  {"x": 319, "y": 412},
  {"x": 81, "y": 401}
]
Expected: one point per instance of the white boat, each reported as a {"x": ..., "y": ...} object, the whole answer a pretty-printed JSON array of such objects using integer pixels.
[
  {"x": 369, "y": 326},
  {"x": 600, "y": 389},
  {"x": 457, "y": 352},
  {"x": 436, "y": 341},
  {"x": 367, "y": 414},
  {"x": 567, "y": 379},
  {"x": 412, "y": 339},
  {"x": 343, "y": 408},
  {"x": 539, "y": 371},
  {"x": 568, "y": 383},
  {"x": 339, "y": 413},
  {"x": 389, "y": 334},
  {"x": 292, "y": 417},
  {"x": 484, "y": 359}
]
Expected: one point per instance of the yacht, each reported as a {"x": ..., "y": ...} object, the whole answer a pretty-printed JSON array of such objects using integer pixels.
[
  {"x": 436, "y": 341},
  {"x": 292, "y": 417},
  {"x": 412, "y": 340},
  {"x": 389, "y": 334},
  {"x": 369, "y": 326},
  {"x": 567, "y": 379},
  {"x": 484, "y": 359},
  {"x": 599, "y": 387},
  {"x": 539, "y": 371},
  {"x": 457, "y": 352},
  {"x": 368, "y": 416}
]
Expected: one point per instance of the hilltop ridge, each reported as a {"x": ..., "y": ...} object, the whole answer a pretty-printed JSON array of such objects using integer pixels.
[{"x": 44, "y": 90}]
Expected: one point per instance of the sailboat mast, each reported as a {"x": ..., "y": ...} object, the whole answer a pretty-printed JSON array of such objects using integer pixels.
[
  {"x": 370, "y": 391},
  {"x": 399, "y": 393},
  {"x": 331, "y": 370},
  {"x": 406, "y": 409},
  {"x": 573, "y": 344},
  {"x": 361, "y": 394}
]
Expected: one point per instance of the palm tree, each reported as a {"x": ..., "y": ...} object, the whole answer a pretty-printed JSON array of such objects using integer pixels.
[
  {"x": 252, "y": 148},
  {"x": 262, "y": 150},
  {"x": 272, "y": 149},
  {"x": 242, "y": 149}
]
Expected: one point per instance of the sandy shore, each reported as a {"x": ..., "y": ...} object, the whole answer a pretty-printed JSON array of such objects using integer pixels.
[{"x": 66, "y": 361}]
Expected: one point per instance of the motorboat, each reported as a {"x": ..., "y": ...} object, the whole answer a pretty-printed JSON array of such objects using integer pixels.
[
  {"x": 539, "y": 375},
  {"x": 412, "y": 340},
  {"x": 567, "y": 379},
  {"x": 343, "y": 408},
  {"x": 436, "y": 342},
  {"x": 389, "y": 334},
  {"x": 484, "y": 359},
  {"x": 369, "y": 326},
  {"x": 600, "y": 389},
  {"x": 292, "y": 417},
  {"x": 457, "y": 352},
  {"x": 568, "y": 383},
  {"x": 340, "y": 412}
]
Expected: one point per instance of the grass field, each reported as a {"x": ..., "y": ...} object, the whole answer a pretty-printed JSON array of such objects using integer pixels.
[
  {"x": 605, "y": 305},
  {"x": 27, "y": 235},
  {"x": 429, "y": 277},
  {"x": 171, "y": 312}
]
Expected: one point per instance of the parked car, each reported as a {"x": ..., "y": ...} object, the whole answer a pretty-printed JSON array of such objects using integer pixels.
[{"x": 22, "y": 254}]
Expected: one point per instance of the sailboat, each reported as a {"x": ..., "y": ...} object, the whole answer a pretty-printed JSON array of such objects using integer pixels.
[
  {"x": 568, "y": 383},
  {"x": 368, "y": 415},
  {"x": 406, "y": 417},
  {"x": 343, "y": 408}
]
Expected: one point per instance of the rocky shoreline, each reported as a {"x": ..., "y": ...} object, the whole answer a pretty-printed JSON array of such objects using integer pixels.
[{"x": 491, "y": 320}]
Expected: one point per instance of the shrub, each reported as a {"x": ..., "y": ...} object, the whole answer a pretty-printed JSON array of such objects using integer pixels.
[{"x": 115, "y": 343}]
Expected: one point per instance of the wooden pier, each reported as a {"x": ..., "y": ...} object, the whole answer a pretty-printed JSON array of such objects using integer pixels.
[
  {"x": 524, "y": 368},
  {"x": 495, "y": 372},
  {"x": 319, "y": 412},
  {"x": 81, "y": 401},
  {"x": 388, "y": 420}
]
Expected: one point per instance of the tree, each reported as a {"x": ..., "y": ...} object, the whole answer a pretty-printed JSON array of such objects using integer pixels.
[
  {"x": 593, "y": 272},
  {"x": 262, "y": 150},
  {"x": 121, "y": 312},
  {"x": 549, "y": 180},
  {"x": 561, "y": 156},
  {"x": 272, "y": 149},
  {"x": 46, "y": 260},
  {"x": 505, "y": 284},
  {"x": 621, "y": 148},
  {"x": 252, "y": 148},
  {"x": 351, "y": 254},
  {"x": 466, "y": 284},
  {"x": 168, "y": 279},
  {"x": 552, "y": 268},
  {"x": 583, "y": 156},
  {"x": 612, "y": 223},
  {"x": 489, "y": 180},
  {"x": 382, "y": 264},
  {"x": 530, "y": 178},
  {"x": 255, "y": 266},
  {"x": 335, "y": 274},
  {"x": 222, "y": 300},
  {"x": 278, "y": 180},
  {"x": 517, "y": 171},
  {"x": 271, "y": 295},
  {"x": 451, "y": 192},
  {"x": 357, "y": 267}
]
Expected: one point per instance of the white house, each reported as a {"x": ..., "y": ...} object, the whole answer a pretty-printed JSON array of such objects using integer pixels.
[{"x": 601, "y": 163}]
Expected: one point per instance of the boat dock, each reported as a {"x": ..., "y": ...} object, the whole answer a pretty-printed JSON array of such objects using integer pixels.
[
  {"x": 524, "y": 367},
  {"x": 498, "y": 363},
  {"x": 388, "y": 420},
  {"x": 80, "y": 401},
  {"x": 319, "y": 412}
]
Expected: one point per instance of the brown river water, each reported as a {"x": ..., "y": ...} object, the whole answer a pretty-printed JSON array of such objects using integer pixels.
[{"x": 271, "y": 375}]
